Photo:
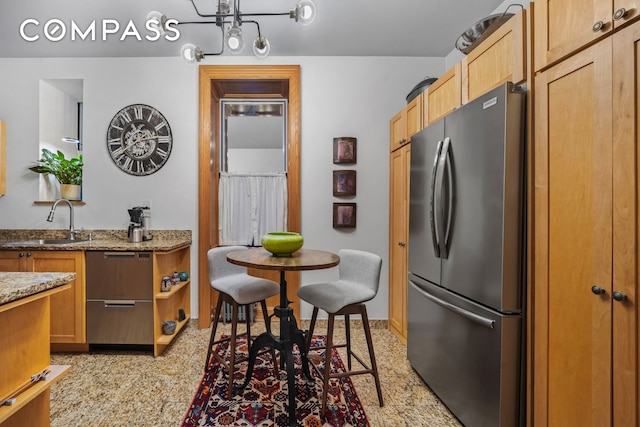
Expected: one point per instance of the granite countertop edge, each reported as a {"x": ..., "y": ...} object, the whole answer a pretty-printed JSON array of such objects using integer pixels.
[
  {"x": 108, "y": 240},
  {"x": 15, "y": 286}
]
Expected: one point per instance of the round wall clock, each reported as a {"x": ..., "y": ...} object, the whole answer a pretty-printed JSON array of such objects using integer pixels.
[{"x": 139, "y": 139}]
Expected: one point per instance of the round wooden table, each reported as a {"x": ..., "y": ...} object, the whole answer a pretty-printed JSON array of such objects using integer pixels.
[{"x": 303, "y": 259}]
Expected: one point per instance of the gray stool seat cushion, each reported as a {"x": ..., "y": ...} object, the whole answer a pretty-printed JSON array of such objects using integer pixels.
[
  {"x": 359, "y": 274},
  {"x": 246, "y": 289},
  {"x": 233, "y": 279},
  {"x": 332, "y": 296}
]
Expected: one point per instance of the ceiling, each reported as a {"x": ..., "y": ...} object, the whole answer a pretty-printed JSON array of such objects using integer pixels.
[{"x": 420, "y": 28}]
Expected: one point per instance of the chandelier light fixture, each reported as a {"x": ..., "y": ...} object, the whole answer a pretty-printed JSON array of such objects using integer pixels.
[{"x": 229, "y": 19}]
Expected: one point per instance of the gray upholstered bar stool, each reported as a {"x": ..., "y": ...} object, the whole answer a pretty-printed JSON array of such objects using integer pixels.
[
  {"x": 359, "y": 277},
  {"x": 237, "y": 288}
]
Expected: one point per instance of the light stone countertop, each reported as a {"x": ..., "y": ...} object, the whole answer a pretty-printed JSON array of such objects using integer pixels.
[
  {"x": 14, "y": 286},
  {"x": 101, "y": 240}
]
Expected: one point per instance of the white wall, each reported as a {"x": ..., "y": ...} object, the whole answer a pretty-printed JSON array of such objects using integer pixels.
[{"x": 340, "y": 96}]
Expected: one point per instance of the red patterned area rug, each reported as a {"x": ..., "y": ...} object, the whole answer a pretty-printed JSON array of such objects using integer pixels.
[{"x": 264, "y": 402}]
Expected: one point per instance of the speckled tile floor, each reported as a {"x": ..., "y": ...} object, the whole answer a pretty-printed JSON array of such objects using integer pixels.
[{"x": 127, "y": 388}]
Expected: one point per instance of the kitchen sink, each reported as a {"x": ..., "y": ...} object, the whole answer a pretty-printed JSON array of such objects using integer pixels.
[{"x": 43, "y": 242}]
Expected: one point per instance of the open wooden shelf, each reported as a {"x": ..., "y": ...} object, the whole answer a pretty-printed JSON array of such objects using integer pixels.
[
  {"x": 174, "y": 289},
  {"x": 168, "y": 305},
  {"x": 57, "y": 372},
  {"x": 166, "y": 339}
]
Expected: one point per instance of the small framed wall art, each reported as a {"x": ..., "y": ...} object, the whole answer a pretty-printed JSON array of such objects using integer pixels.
[
  {"x": 344, "y": 183},
  {"x": 344, "y": 215},
  {"x": 344, "y": 150}
]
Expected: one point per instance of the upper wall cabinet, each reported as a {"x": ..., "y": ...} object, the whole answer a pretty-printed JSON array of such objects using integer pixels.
[
  {"x": 562, "y": 28},
  {"x": 444, "y": 95},
  {"x": 3, "y": 158},
  {"x": 499, "y": 58},
  {"x": 398, "y": 130},
  {"x": 414, "y": 116}
]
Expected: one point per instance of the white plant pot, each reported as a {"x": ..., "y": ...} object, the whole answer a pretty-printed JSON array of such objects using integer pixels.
[{"x": 70, "y": 191}]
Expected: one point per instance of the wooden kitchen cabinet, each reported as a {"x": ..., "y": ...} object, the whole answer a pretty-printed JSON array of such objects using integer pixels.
[
  {"x": 414, "y": 116},
  {"x": 68, "y": 308},
  {"x": 166, "y": 305},
  {"x": 444, "y": 95},
  {"x": 25, "y": 352},
  {"x": 500, "y": 58},
  {"x": 585, "y": 356},
  {"x": 398, "y": 130},
  {"x": 564, "y": 27},
  {"x": 398, "y": 239}
]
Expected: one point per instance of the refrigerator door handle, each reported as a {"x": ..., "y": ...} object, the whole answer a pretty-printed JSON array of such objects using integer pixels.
[
  {"x": 432, "y": 208},
  {"x": 488, "y": 323},
  {"x": 441, "y": 223}
]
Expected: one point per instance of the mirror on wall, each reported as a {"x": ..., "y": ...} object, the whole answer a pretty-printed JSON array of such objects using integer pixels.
[
  {"x": 254, "y": 135},
  {"x": 60, "y": 125}
]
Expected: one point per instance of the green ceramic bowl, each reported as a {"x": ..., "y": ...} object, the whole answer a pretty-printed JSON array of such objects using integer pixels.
[{"x": 282, "y": 243}]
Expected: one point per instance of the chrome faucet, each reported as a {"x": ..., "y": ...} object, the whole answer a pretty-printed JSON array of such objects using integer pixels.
[{"x": 72, "y": 231}]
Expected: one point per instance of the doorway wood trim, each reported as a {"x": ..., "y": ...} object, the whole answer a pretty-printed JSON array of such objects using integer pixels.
[{"x": 208, "y": 164}]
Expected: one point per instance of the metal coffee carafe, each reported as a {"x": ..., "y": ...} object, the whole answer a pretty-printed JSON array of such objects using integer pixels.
[{"x": 146, "y": 223}]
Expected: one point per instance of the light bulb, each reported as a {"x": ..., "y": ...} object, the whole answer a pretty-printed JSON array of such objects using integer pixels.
[
  {"x": 304, "y": 12},
  {"x": 261, "y": 47},
  {"x": 191, "y": 53},
  {"x": 158, "y": 21},
  {"x": 223, "y": 6},
  {"x": 233, "y": 39}
]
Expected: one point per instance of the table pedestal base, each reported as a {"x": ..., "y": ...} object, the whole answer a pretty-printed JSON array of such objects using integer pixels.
[{"x": 289, "y": 335}]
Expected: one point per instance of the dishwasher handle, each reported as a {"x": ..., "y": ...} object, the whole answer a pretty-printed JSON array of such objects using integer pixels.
[
  {"x": 120, "y": 255},
  {"x": 122, "y": 303}
]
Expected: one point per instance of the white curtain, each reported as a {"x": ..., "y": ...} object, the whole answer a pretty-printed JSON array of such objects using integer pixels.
[{"x": 250, "y": 205}]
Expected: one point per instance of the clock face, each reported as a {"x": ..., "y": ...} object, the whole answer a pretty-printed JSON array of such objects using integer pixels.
[{"x": 139, "y": 139}]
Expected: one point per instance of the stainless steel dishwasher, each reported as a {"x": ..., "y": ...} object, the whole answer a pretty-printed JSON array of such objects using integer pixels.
[{"x": 119, "y": 297}]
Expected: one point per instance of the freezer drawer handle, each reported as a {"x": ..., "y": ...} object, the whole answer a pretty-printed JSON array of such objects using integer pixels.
[
  {"x": 119, "y": 303},
  {"x": 462, "y": 312}
]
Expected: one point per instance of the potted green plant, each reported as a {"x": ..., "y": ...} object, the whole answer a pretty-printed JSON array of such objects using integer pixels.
[{"x": 68, "y": 172}]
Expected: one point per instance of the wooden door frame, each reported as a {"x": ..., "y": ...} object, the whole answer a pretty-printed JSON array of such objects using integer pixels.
[{"x": 208, "y": 136}]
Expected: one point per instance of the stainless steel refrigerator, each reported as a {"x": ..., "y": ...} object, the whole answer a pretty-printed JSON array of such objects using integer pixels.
[{"x": 466, "y": 258}]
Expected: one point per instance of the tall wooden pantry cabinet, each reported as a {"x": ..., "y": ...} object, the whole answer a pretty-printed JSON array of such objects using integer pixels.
[
  {"x": 402, "y": 126},
  {"x": 585, "y": 360}
]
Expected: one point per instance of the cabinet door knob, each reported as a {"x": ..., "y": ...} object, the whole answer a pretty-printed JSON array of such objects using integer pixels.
[
  {"x": 21, "y": 255},
  {"x": 597, "y": 26},
  {"x": 619, "y": 14},
  {"x": 28, "y": 254},
  {"x": 619, "y": 296},
  {"x": 597, "y": 290}
]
